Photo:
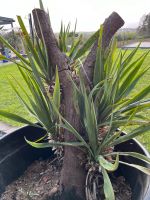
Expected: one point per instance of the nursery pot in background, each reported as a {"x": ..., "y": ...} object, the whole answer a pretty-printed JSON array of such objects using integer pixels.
[{"x": 16, "y": 155}]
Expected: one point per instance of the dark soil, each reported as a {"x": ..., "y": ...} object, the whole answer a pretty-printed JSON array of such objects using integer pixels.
[
  {"x": 36, "y": 183},
  {"x": 121, "y": 188},
  {"x": 42, "y": 176}
]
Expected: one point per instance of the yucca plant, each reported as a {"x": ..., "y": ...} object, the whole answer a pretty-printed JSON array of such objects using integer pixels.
[{"x": 100, "y": 106}]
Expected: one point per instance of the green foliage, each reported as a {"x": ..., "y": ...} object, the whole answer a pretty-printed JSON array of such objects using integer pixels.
[
  {"x": 71, "y": 43},
  {"x": 126, "y": 35},
  {"x": 37, "y": 61},
  {"x": 107, "y": 165},
  {"x": 103, "y": 108},
  {"x": 144, "y": 26},
  {"x": 63, "y": 38},
  {"x": 108, "y": 189},
  {"x": 108, "y": 105},
  {"x": 98, "y": 69},
  {"x": 13, "y": 38},
  {"x": 87, "y": 44},
  {"x": 15, "y": 117},
  {"x": 56, "y": 93},
  {"x": 36, "y": 73}
]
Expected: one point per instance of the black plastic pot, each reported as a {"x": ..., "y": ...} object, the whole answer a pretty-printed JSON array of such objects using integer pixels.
[
  {"x": 16, "y": 155},
  {"x": 139, "y": 182}
]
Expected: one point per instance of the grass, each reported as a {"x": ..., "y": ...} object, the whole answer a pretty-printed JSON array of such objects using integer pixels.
[
  {"x": 8, "y": 99},
  {"x": 144, "y": 81},
  {"x": 10, "y": 102}
]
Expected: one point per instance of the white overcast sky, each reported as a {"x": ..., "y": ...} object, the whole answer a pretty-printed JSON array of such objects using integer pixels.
[{"x": 89, "y": 13}]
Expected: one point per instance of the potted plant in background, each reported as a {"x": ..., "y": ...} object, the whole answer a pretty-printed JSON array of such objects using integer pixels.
[{"x": 81, "y": 95}]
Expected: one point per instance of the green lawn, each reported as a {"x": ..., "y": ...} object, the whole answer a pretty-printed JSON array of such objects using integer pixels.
[
  {"x": 8, "y": 99},
  {"x": 144, "y": 81},
  {"x": 10, "y": 102}
]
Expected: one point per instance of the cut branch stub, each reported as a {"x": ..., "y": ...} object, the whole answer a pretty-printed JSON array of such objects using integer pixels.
[
  {"x": 45, "y": 32},
  {"x": 110, "y": 27}
]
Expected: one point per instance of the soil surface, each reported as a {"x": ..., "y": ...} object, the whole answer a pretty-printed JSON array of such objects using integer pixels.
[
  {"x": 43, "y": 176},
  {"x": 122, "y": 188},
  {"x": 36, "y": 183}
]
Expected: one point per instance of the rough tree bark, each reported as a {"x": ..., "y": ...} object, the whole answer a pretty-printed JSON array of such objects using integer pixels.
[
  {"x": 73, "y": 172},
  {"x": 110, "y": 27}
]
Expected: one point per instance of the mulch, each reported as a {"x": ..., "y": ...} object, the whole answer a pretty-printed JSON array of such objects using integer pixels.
[{"x": 43, "y": 176}]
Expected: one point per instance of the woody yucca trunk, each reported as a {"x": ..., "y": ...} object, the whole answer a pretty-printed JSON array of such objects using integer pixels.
[{"x": 73, "y": 172}]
